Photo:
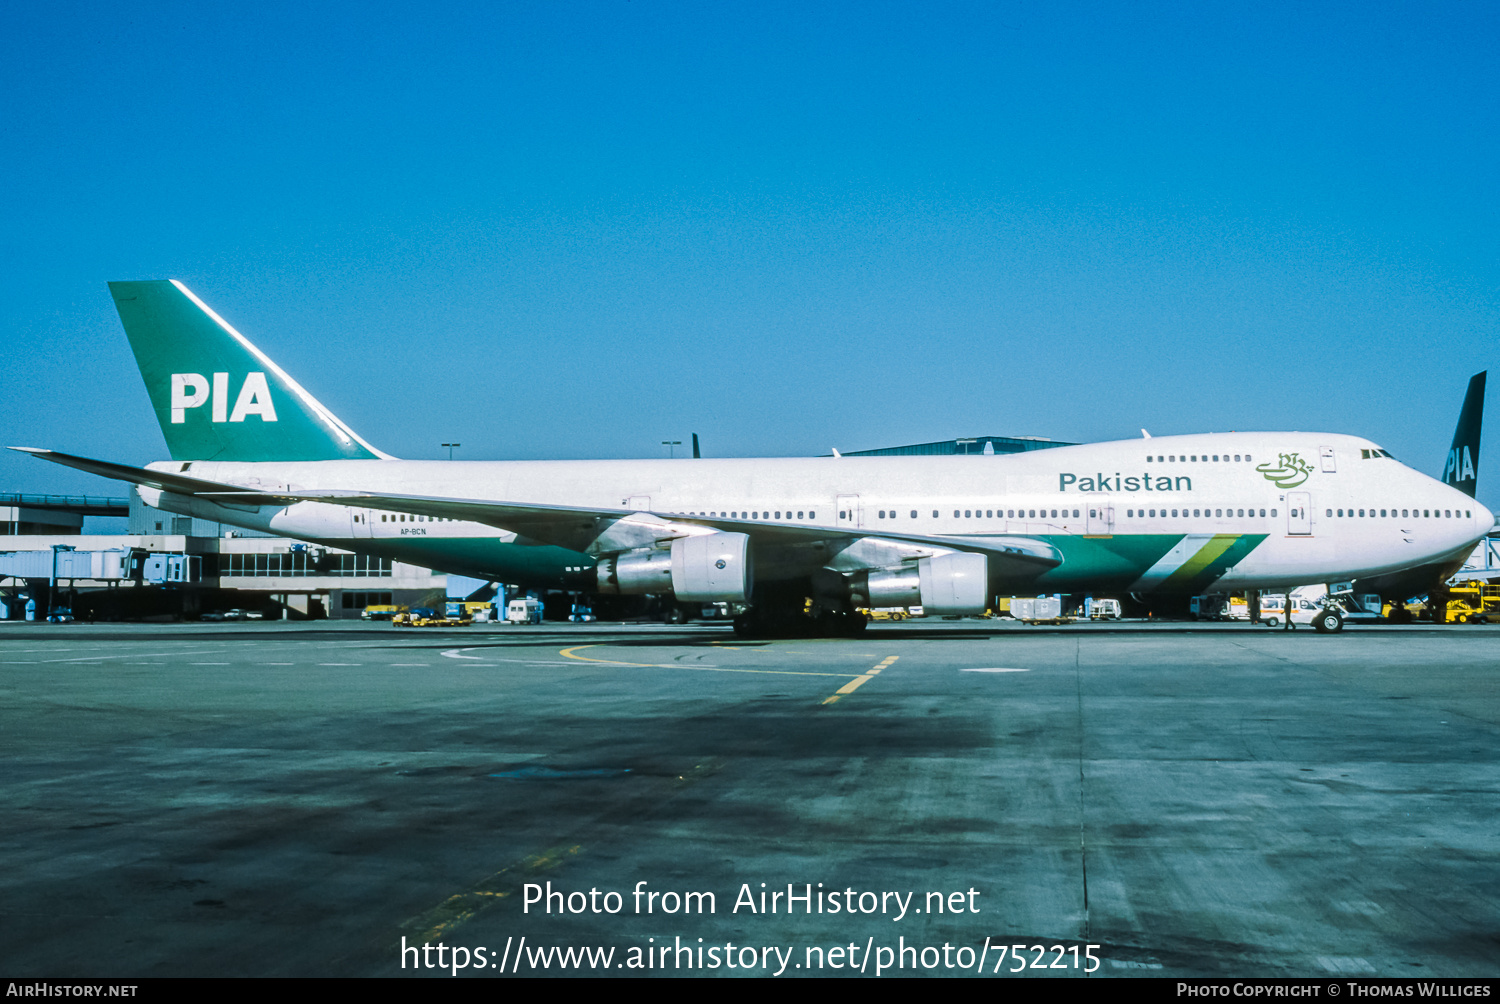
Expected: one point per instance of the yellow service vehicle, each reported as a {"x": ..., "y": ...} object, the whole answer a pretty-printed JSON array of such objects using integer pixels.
[
  {"x": 890, "y": 613},
  {"x": 1467, "y": 602},
  {"x": 427, "y": 617}
]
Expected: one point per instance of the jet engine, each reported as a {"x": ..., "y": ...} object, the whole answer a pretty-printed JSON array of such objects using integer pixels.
[
  {"x": 945, "y": 584},
  {"x": 706, "y": 568}
]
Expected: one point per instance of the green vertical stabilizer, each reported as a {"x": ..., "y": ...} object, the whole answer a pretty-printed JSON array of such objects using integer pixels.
[{"x": 216, "y": 396}]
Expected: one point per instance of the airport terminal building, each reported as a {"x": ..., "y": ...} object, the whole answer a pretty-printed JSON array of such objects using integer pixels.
[{"x": 167, "y": 565}]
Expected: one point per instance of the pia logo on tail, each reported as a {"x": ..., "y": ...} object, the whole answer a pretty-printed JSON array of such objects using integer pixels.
[
  {"x": 1460, "y": 467},
  {"x": 193, "y": 390}
]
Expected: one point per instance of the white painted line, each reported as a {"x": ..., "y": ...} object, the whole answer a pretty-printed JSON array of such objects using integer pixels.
[
  {"x": 128, "y": 655},
  {"x": 458, "y": 653},
  {"x": 995, "y": 669}
]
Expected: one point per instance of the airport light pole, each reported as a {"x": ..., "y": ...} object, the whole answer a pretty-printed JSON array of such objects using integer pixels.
[
  {"x": 671, "y": 445},
  {"x": 451, "y": 447}
]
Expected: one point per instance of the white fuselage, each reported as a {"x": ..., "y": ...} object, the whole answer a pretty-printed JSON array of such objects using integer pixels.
[{"x": 1327, "y": 506}]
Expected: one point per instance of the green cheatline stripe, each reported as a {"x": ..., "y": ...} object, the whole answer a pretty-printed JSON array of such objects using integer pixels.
[{"x": 1207, "y": 554}]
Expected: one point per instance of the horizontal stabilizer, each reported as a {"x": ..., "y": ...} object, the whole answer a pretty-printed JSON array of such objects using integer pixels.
[{"x": 178, "y": 483}]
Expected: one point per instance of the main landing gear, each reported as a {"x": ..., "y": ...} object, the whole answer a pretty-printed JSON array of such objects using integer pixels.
[
  {"x": 1328, "y": 621},
  {"x": 787, "y": 613}
]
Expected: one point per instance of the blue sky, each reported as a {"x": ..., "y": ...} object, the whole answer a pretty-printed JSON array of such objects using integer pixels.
[{"x": 576, "y": 230}]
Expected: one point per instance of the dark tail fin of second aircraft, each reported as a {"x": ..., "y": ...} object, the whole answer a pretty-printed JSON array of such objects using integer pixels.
[{"x": 1461, "y": 469}]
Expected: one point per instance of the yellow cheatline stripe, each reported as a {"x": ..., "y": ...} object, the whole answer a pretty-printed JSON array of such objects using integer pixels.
[
  {"x": 568, "y": 654},
  {"x": 860, "y": 680},
  {"x": 1207, "y": 554},
  {"x": 453, "y": 911}
]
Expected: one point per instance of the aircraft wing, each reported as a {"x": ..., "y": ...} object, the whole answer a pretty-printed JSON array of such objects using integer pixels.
[
  {"x": 590, "y": 530},
  {"x": 604, "y": 530}
]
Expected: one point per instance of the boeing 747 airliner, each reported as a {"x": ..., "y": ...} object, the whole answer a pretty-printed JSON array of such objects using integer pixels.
[{"x": 1178, "y": 514}]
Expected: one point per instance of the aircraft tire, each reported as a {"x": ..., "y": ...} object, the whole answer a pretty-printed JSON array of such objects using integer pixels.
[{"x": 1328, "y": 622}]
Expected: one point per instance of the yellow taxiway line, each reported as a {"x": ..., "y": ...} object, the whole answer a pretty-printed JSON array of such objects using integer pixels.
[{"x": 861, "y": 680}]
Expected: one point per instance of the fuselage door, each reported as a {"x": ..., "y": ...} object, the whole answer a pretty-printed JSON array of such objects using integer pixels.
[
  {"x": 639, "y": 503},
  {"x": 1325, "y": 456},
  {"x": 850, "y": 513},
  {"x": 359, "y": 520},
  {"x": 1298, "y": 519},
  {"x": 1101, "y": 519}
]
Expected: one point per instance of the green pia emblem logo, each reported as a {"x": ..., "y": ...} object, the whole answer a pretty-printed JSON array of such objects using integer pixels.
[{"x": 1289, "y": 470}]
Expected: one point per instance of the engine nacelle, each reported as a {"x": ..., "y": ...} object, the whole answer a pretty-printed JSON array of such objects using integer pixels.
[
  {"x": 712, "y": 568},
  {"x": 946, "y": 584},
  {"x": 955, "y": 584},
  {"x": 635, "y": 573},
  {"x": 707, "y": 568}
]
